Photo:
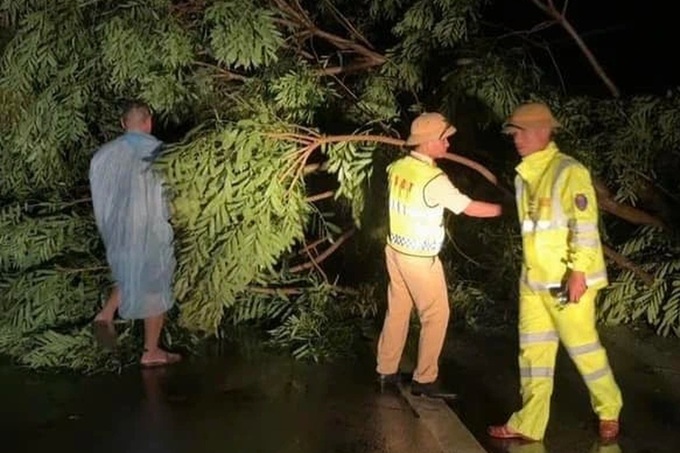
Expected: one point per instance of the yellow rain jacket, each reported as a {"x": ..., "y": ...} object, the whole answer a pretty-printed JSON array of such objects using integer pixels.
[
  {"x": 416, "y": 228},
  {"x": 559, "y": 217}
]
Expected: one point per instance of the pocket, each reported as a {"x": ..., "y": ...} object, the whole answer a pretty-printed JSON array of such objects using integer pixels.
[{"x": 550, "y": 258}]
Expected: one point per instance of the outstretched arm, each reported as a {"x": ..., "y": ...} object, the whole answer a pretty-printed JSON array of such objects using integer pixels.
[
  {"x": 483, "y": 209},
  {"x": 441, "y": 191}
]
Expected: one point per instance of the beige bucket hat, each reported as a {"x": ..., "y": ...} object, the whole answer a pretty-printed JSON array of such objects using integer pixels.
[
  {"x": 429, "y": 127},
  {"x": 531, "y": 115}
]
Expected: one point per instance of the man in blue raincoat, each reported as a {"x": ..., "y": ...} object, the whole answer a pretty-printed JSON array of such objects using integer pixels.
[{"x": 132, "y": 216}]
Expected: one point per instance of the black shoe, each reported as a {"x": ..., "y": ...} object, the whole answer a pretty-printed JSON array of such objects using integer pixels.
[
  {"x": 393, "y": 378},
  {"x": 389, "y": 382},
  {"x": 431, "y": 390}
]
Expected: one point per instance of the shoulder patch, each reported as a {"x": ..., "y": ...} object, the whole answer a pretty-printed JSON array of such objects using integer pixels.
[{"x": 581, "y": 201}]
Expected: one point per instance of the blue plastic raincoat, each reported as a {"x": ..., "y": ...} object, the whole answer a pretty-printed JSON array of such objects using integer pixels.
[{"x": 132, "y": 216}]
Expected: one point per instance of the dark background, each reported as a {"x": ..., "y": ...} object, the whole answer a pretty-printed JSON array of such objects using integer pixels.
[{"x": 635, "y": 42}]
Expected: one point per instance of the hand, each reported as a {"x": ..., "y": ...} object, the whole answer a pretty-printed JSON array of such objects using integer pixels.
[{"x": 577, "y": 286}]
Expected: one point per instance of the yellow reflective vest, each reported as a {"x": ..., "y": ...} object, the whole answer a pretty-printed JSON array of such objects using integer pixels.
[
  {"x": 559, "y": 217},
  {"x": 416, "y": 228}
]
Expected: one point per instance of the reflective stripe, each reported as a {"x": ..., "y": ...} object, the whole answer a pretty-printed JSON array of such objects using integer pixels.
[
  {"x": 534, "y": 372},
  {"x": 538, "y": 337},
  {"x": 591, "y": 279},
  {"x": 584, "y": 349},
  {"x": 595, "y": 375},
  {"x": 558, "y": 220},
  {"x": 529, "y": 226},
  {"x": 582, "y": 228},
  {"x": 586, "y": 242},
  {"x": 424, "y": 245},
  {"x": 558, "y": 213}
]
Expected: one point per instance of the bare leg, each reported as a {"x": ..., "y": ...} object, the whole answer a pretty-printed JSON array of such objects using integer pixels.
[
  {"x": 109, "y": 310},
  {"x": 104, "y": 330},
  {"x": 153, "y": 354},
  {"x": 152, "y": 333}
]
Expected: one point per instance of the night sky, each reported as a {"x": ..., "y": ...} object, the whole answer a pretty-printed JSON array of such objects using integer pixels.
[{"x": 636, "y": 43}]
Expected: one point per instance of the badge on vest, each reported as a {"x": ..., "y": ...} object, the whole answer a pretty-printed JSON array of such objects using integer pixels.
[{"x": 581, "y": 201}]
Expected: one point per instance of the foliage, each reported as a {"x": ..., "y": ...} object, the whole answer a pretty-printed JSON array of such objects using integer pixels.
[
  {"x": 626, "y": 300},
  {"x": 236, "y": 214},
  {"x": 237, "y": 73},
  {"x": 321, "y": 323}
]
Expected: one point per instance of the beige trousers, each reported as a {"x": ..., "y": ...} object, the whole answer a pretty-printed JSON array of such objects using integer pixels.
[{"x": 420, "y": 282}]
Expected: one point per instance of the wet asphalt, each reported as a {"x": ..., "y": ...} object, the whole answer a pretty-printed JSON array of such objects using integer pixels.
[
  {"x": 232, "y": 402},
  {"x": 249, "y": 400}
]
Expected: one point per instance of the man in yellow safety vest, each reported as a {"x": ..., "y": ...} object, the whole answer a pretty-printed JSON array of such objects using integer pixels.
[
  {"x": 562, "y": 271},
  {"x": 418, "y": 193}
]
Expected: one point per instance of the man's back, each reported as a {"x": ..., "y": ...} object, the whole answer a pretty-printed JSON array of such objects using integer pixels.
[{"x": 126, "y": 194}]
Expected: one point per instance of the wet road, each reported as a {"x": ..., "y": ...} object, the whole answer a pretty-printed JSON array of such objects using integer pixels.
[
  {"x": 484, "y": 370},
  {"x": 250, "y": 403},
  {"x": 247, "y": 400}
]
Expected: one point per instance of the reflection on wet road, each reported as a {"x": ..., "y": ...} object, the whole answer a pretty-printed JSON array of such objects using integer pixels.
[{"x": 267, "y": 403}]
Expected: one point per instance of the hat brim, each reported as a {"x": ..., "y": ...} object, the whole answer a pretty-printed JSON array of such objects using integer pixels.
[{"x": 419, "y": 139}]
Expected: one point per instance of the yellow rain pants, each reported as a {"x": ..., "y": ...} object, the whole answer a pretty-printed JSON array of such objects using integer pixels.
[{"x": 542, "y": 323}]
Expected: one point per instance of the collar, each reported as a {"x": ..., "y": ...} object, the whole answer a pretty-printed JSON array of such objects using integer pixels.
[
  {"x": 422, "y": 157},
  {"x": 139, "y": 133},
  {"x": 533, "y": 165}
]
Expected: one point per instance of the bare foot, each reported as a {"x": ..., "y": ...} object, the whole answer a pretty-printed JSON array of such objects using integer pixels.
[{"x": 159, "y": 357}]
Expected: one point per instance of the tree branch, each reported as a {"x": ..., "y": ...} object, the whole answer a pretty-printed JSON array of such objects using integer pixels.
[
  {"x": 346, "y": 44},
  {"x": 222, "y": 72},
  {"x": 351, "y": 29},
  {"x": 309, "y": 247},
  {"x": 323, "y": 256},
  {"x": 350, "y": 68},
  {"x": 67, "y": 270},
  {"x": 296, "y": 17},
  {"x": 314, "y": 143},
  {"x": 629, "y": 213},
  {"x": 320, "y": 196},
  {"x": 474, "y": 165},
  {"x": 548, "y": 7},
  {"x": 627, "y": 264}
]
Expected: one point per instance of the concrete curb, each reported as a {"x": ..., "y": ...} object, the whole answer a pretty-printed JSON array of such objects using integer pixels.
[{"x": 446, "y": 427}]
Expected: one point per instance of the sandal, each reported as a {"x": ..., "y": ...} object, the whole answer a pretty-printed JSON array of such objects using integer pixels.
[
  {"x": 168, "y": 358},
  {"x": 609, "y": 429},
  {"x": 505, "y": 432}
]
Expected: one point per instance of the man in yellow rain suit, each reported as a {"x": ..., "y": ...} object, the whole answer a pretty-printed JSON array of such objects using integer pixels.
[
  {"x": 563, "y": 270},
  {"x": 418, "y": 193}
]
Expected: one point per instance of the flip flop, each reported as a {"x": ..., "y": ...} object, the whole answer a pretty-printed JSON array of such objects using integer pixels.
[
  {"x": 505, "y": 432},
  {"x": 168, "y": 359},
  {"x": 105, "y": 333}
]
